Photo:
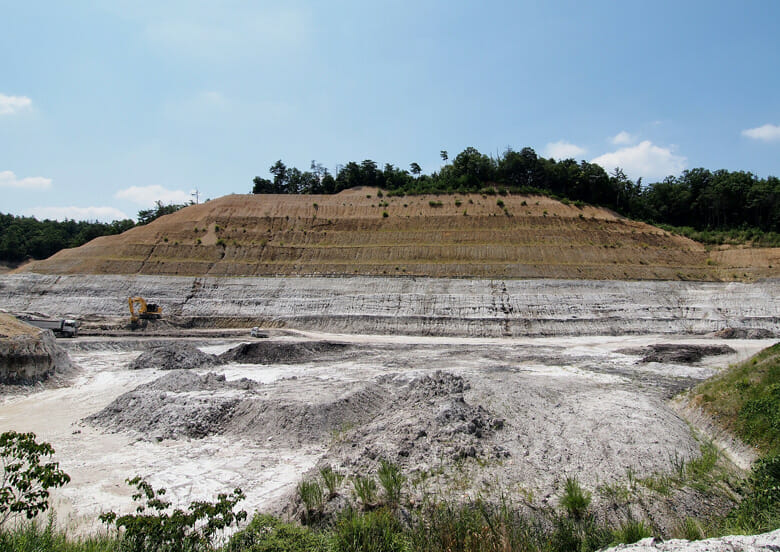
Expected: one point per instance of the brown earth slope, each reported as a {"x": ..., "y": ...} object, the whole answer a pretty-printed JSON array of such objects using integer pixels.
[{"x": 358, "y": 232}]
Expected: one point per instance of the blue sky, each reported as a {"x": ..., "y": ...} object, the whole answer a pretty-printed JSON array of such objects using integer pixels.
[{"x": 107, "y": 106}]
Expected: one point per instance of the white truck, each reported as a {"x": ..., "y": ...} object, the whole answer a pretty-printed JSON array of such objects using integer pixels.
[{"x": 63, "y": 327}]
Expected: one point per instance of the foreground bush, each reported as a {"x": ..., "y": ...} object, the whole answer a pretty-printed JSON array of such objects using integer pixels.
[{"x": 157, "y": 527}]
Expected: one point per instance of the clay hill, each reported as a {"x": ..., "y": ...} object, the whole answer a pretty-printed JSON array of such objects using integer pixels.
[{"x": 359, "y": 231}]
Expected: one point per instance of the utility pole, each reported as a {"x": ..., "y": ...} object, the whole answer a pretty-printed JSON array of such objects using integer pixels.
[{"x": 196, "y": 195}]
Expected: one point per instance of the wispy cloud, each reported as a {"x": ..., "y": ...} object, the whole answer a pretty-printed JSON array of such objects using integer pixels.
[
  {"x": 147, "y": 195},
  {"x": 14, "y": 104},
  {"x": 104, "y": 214},
  {"x": 9, "y": 180},
  {"x": 210, "y": 32},
  {"x": 645, "y": 160},
  {"x": 623, "y": 138},
  {"x": 563, "y": 150},
  {"x": 766, "y": 133}
]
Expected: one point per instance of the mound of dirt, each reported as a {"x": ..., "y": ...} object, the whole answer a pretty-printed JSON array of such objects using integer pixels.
[
  {"x": 427, "y": 423},
  {"x": 174, "y": 356},
  {"x": 744, "y": 333},
  {"x": 675, "y": 353},
  {"x": 179, "y": 404},
  {"x": 274, "y": 352},
  {"x": 415, "y": 421},
  {"x": 355, "y": 232}
]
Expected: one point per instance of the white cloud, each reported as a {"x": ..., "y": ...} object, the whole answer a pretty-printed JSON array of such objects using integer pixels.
[
  {"x": 645, "y": 160},
  {"x": 147, "y": 195},
  {"x": 563, "y": 150},
  {"x": 206, "y": 31},
  {"x": 13, "y": 104},
  {"x": 767, "y": 133},
  {"x": 104, "y": 214},
  {"x": 9, "y": 180},
  {"x": 623, "y": 138}
]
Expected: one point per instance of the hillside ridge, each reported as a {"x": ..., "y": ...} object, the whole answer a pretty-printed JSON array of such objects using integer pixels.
[{"x": 361, "y": 232}]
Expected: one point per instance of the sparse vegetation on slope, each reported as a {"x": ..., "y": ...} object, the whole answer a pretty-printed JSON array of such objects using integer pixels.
[
  {"x": 706, "y": 200},
  {"x": 746, "y": 400},
  {"x": 347, "y": 234}
]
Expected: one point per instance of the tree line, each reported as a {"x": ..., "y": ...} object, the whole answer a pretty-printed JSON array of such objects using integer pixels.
[
  {"x": 697, "y": 198},
  {"x": 23, "y": 238}
]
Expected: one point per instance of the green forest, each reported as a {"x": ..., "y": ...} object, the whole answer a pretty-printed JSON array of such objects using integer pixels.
[
  {"x": 709, "y": 205},
  {"x": 23, "y": 238}
]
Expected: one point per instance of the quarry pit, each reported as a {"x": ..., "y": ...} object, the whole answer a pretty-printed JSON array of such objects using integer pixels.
[{"x": 473, "y": 387}]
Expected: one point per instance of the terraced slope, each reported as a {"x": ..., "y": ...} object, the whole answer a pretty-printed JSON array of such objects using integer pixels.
[{"x": 357, "y": 232}]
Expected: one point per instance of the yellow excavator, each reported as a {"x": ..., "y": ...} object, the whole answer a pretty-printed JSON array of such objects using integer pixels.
[{"x": 146, "y": 311}]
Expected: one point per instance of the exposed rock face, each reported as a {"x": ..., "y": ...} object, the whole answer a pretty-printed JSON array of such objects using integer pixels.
[
  {"x": 427, "y": 306},
  {"x": 745, "y": 543},
  {"x": 28, "y": 354},
  {"x": 744, "y": 333}
]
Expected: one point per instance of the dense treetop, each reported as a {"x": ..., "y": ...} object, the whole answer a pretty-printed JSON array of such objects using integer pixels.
[
  {"x": 22, "y": 238},
  {"x": 698, "y": 198}
]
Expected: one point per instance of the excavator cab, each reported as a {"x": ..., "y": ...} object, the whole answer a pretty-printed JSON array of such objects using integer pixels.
[{"x": 146, "y": 311}]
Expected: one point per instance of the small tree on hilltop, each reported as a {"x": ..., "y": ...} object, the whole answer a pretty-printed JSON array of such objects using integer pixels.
[{"x": 25, "y": 484}]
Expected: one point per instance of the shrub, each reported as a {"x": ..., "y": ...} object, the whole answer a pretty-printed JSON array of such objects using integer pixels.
[
  {"x": 392, "y": 481},
  {"x": 575, "y": 499},
  {"x": 267, "y": 534},
  {"x": 384, "y": 214},
  {"x": 377, "y": 531},
  {"x": 332, "y": 480},
  {"x": 632, "y": 531},
  {"x": 433, "y": 203},
  {"x": 155, "y": 527},
  {"x": 312, "y": 497},
  {"x": 689, "y": 529},
  {"x": 500, "y": 203},
  {"x": 26, "y": 481},
  {"x": 365, "y": 490}
]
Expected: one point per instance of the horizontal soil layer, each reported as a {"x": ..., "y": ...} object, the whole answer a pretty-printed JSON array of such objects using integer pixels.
[
  {"x": 357, "y": 232},
  {"x": 411, "y": 306}
]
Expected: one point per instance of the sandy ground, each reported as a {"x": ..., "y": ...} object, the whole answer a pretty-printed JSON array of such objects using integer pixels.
[{"x": 571, "y": 405}]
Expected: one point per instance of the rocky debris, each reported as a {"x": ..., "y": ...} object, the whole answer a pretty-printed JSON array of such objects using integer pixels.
[
  {"x": 179, "y": 404},
  {"x": 290, "y": 411},
  {"x": 28, "y": 354},
  {"x": 412, "y": 422},
  {"x": 300, "y": 411},
  {"x": 428, "y": 422},
  {"x": 174, "y": 356},
  {"x": 677, "y": 353},
  {"x": 274, "y": 352},
  {"x": 744, "y": 333},
  {"x": 744, "y": 543}
]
